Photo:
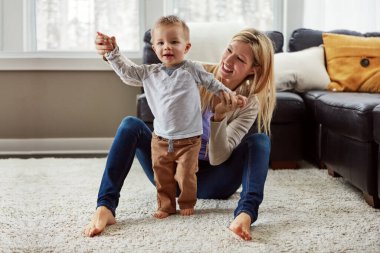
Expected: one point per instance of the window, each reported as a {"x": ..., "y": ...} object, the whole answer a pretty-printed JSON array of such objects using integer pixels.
[
  {"x": 70, "y": 25},
  {"x": 261, "y": 14}
]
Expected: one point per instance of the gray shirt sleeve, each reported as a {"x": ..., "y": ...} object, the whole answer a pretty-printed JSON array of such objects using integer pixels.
[
  {"x": 206, "y": 79},
  {"x": 129, "y": 72}
]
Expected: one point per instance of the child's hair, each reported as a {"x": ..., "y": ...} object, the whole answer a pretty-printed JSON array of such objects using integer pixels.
[
  {"x": 171, "y": 20},
  {"x": 261, "y": 83}
]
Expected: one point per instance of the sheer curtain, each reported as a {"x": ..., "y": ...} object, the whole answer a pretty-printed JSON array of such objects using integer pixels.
[
  {"x": 71, "y": 25},
  {"x": 361, "y": 16},
  {"x": 254, "y": 13}
]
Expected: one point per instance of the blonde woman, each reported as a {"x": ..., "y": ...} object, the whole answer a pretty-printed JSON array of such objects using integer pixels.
[{"x": 228, "y": 158}]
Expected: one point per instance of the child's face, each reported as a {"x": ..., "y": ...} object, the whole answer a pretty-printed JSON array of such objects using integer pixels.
[{"x": 169, "y": 44}]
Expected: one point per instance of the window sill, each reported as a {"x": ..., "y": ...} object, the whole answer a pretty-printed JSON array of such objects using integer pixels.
[{"x": 56, "y": 61}]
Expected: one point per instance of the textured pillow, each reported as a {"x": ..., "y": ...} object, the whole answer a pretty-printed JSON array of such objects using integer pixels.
[
  {"x": 353, "y": 63},
  {"x": 207, "y": 47},
  {"x": 301, "y": 71}
]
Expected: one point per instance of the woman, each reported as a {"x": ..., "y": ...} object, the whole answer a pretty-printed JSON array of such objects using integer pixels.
[{"x": 226, "y": 160}]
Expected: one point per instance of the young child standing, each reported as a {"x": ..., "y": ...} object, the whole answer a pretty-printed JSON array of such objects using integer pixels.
[{"x": 171, "y": 89}]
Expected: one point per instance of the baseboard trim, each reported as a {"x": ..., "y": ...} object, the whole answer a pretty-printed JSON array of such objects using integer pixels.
[{"x": 58, "y": 146}]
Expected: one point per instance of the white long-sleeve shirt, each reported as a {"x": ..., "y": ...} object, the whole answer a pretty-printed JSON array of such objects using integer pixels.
[{"x": 174, "y": 99}]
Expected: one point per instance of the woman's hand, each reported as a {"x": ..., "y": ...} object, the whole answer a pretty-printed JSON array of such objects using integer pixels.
[
  {"x": 227, "y": 102},
  {"x": 104, "y": 43}
]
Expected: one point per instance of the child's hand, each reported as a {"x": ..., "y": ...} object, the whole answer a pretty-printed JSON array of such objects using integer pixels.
[
  {"x": 104, "y": 43},
  {"x": 241, "y": 100},
  {"x": 226, "y": 102}
]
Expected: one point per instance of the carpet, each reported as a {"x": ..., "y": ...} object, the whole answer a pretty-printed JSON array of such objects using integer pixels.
[{"x": 45, "y": 204}]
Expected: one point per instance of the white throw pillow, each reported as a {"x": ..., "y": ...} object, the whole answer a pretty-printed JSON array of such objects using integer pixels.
[
  {"x": 209, "y": 40},
  {"x": 301, "y": 71}
]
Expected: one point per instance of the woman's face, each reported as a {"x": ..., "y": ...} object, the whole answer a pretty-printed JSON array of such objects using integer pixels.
[{"x": 236, "y": 64}]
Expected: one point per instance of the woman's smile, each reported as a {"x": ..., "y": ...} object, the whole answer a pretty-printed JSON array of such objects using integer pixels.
[{"x": 226, "y": 69}]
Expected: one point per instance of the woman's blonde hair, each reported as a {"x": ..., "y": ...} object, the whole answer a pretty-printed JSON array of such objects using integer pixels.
[{"x": 261, "y": 83}]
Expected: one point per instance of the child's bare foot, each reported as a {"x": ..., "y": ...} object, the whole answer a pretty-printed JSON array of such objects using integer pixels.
[
  {"x": 160, "y": 214},
  {"x": 241, "y": 226},
  {"x": 186, "y": 212},
  {"x": 102, "y": 217}
]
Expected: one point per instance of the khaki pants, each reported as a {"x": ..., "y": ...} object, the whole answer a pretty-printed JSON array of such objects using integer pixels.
[{"x": 175, "y": 167}]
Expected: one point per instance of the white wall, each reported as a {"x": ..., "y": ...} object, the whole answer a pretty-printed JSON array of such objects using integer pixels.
[{"x": 293, "y": 18}]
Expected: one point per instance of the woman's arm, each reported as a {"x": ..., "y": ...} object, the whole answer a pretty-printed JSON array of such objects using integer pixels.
[{"x": 226, "y": 135}]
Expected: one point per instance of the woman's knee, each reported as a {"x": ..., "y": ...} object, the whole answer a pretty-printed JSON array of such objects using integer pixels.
[
  {"x": 259, "y": 141},
  {"x": 131, "y": 123},
  {"x": 212, "y": 188}
]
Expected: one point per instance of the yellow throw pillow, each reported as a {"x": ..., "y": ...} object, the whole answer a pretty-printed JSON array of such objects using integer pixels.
[{"x": 353, "y": 62}]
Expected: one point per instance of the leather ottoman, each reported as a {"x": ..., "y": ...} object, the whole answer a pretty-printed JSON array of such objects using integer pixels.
[{"x": 348, "y": 148}]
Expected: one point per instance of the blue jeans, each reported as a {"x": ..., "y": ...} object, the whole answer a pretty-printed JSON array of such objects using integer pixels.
[{"x": 247, "y": 166}]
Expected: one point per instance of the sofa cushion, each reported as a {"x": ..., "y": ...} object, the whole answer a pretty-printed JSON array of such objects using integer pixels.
[
  {"x": 310, "y": 98},
  {"x": 301, "y": 71},
  {"x": 290, "y": 108},
  {"x": 303, "y": 38},
  {"x": 278, "y": 40},
  {"x": 349, "y": 114},
  {"x": 376, "y": 125},
  {"x": 149, "y": 56},
  {"x": 353, "y": 62}
]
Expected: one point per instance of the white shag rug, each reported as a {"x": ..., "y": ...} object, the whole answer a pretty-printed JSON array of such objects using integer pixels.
[{"x": 46, "y": 203}]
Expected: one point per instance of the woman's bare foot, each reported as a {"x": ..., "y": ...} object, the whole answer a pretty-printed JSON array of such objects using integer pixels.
[
  {"x": 186, "y": 212},
  {"x": 160, "y": 214},
  {"x": 102, "y": 217},
  {"x": 241, "y": 226}
]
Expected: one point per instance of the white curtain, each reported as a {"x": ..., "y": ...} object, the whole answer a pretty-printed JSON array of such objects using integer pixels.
[
  {"x": 71, "y": 25},
  {"x": 358, "y": 15},
  {"x": 255, "y": 13}
]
